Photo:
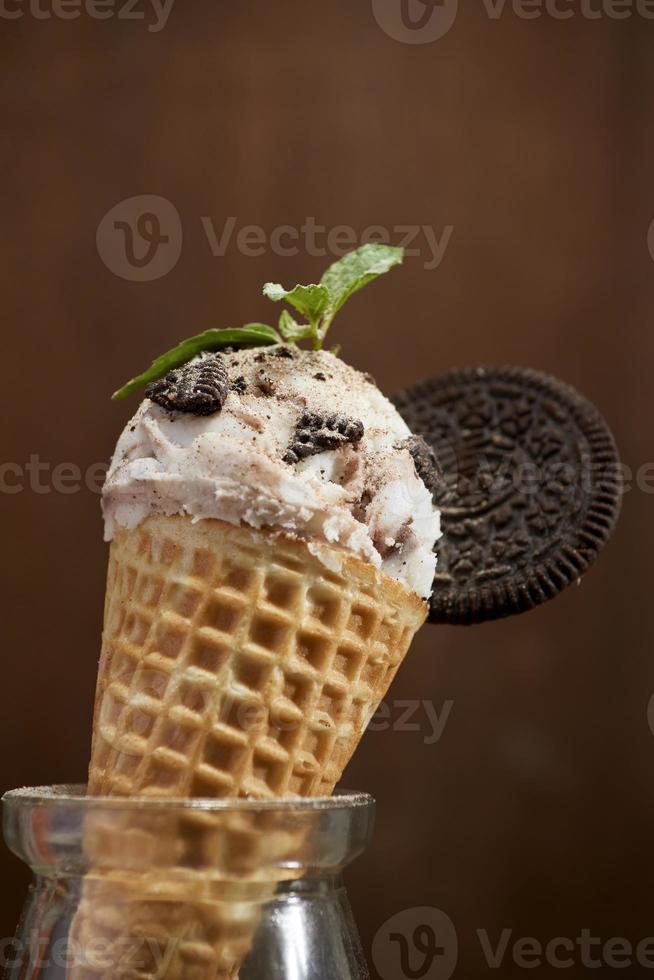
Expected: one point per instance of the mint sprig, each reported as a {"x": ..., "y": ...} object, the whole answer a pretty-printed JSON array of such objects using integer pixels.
[
  {"x": 319, "y": 303},
  {"x": 311, "y": 301},
  {"x": 251, "y": 335}
]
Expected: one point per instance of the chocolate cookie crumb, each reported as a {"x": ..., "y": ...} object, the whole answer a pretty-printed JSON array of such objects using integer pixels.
[
  {"x": 282, "y": 351},
  {"x": 360, "y": 508},
  {"x": 320, "y": 376},
  {"x": 425, "y": 462},
  {"x": 387, "y": 548},
  {"x": 315, "y": 433},
  {"x": 264, "y": 383},
  {"x": 239, "y": 385},
  {"x": 199, "y": 387}
]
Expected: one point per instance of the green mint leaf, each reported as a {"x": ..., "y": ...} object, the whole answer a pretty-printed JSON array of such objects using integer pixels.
[
  {"x": 320, "y": 303},
  {"x": 292, "y": 331},
  {"x": 311, "y": 301},
  {"x": 251, "y": 335},
  {"x": 356, "y": 270}
]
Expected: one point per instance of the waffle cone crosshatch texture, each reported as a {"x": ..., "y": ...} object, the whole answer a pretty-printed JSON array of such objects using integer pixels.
[{"x": 235, "y": 663}]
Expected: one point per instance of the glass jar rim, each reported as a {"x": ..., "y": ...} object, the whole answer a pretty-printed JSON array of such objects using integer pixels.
[
  {"x": 54, "y": 830},
  {"x": 74, "y": 795}
]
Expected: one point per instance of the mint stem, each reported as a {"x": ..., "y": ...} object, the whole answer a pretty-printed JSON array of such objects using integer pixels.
[{"x": 320, "y": 302}]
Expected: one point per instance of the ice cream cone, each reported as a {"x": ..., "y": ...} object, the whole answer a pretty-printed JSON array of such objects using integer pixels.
[
  {"x": 235, "y": 663},
  {"x": 272, "y": 529}
]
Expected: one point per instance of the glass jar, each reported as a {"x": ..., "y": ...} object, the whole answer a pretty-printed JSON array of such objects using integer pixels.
[{"x": 185, "y": 890}]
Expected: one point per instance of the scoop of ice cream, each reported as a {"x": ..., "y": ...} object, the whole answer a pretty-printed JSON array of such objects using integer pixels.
[{"x": 303, "y": 444}]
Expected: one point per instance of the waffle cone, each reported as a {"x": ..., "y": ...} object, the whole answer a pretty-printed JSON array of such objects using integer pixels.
[{"x": 235, "y": 663}]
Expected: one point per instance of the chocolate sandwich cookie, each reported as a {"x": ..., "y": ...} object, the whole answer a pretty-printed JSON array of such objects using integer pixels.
[
  {"x": 531, "y": 487},
  {"x": 198, "y": 388}
]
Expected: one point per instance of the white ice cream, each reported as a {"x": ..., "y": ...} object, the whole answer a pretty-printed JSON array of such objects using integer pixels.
[{"x": 366, "y": 499}]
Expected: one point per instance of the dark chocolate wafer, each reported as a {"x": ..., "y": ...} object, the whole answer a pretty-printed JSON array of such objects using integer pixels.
[{"x": 531, "y": 487}]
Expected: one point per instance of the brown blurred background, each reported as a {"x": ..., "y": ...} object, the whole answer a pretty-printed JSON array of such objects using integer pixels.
[{"x": 532, "y": 140}]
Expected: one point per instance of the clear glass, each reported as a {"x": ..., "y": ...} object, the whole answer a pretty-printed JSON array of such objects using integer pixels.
[{"x": 185, "y": 890}]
